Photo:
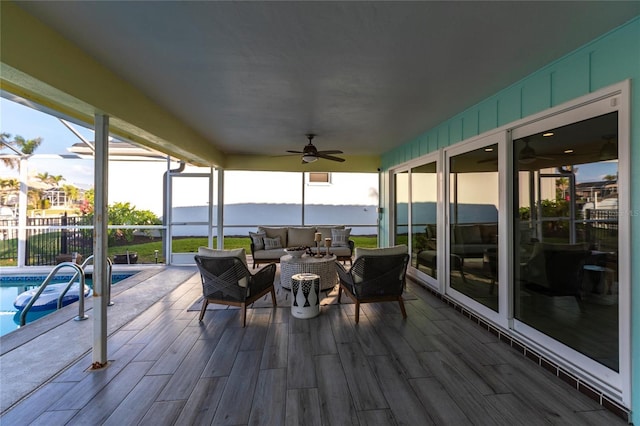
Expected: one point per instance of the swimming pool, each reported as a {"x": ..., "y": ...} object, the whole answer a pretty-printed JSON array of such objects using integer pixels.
[{"x": 12, "y": 286}]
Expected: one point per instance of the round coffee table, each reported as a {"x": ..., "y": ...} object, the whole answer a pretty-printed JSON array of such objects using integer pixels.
[{"x": 324, "y": 266}]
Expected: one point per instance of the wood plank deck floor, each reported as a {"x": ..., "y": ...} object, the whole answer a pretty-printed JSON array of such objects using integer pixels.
[{"x": 437, "y": 367}]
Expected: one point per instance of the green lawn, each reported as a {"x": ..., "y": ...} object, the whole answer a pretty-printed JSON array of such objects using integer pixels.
[{"x": 147, "y": 251}]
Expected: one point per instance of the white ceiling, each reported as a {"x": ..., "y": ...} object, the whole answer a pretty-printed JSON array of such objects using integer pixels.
[{"x": 254, "y": 77}]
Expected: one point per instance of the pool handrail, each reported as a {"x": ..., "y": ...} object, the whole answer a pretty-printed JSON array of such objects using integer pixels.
[
  {"x": 79, "y": 271},
  {"x": 109, "y": 276}
]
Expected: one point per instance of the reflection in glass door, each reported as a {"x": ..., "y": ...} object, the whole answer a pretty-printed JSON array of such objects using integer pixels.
[
  {"x": 473, "y": 224},
  {"x": 424, "y": 207},
  {"x": 401, "y": 191},
  {"x": 566, "y": 235}
]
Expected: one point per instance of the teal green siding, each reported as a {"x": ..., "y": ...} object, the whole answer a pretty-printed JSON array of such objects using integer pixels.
[
  {"x": 536, "y": 94},
  {"x": 487, "y": 115},
  {"x": 470, "y": 126},
  {"x": 609, "y": 59},
  {"x": 570, "y": 79},
  {"x": 510, "y": 106},
  {"x": 455, "y": 130}
]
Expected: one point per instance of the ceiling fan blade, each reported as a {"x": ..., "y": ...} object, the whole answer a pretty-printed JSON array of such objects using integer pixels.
[
  {"x": 295, "y": 152},
  {"x": 333, "y": 151},
  {"x": 330, "y": 157}
]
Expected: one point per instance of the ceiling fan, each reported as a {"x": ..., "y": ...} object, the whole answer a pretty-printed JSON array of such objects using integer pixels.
[{"x": 311, "y": 154}]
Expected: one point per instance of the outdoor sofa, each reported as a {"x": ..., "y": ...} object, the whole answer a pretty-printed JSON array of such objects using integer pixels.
[{"x": 269, "y": 243}]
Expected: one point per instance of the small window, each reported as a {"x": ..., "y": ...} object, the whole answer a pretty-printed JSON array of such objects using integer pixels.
[{"x": 319, "y": 177}]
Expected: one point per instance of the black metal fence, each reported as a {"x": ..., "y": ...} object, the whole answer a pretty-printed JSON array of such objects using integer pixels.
[{"x": 46, "y": 239}]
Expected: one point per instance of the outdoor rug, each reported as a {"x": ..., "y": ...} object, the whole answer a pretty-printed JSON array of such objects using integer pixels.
[{"x": 283, "y": 298}]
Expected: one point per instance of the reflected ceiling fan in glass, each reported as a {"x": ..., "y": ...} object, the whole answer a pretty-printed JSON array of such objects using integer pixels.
[
  {"x": 528, "y": 155},
  {"x": 609, "y": 150}
]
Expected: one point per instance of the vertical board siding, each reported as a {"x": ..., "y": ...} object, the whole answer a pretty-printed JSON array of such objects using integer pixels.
[
  {"x": 618, "y": 59},
  {"x": 469, "y": 124},
  {"x": 424, "y": 145},
  {"x": 510, "y": 106},
  {"x": 455, "y": 130},
  {"x": 433, "y": 141},
  {"x": 415, "y": 148},
  {"x": 570, "y": 79},
  {"x": 488, "y": 115},
  {"x": 536, "y": 94}
]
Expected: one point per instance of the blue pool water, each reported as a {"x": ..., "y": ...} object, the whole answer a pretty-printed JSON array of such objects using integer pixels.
[{"x": 12, "y": 286}]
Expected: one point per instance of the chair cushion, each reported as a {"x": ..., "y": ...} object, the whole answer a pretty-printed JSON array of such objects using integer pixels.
[
  {"x": 399, "y": 249},
  {"x": 340, "y": 237},
  {"x": 257, "y": 238},
  {"x": 272, "y": 243},
  {"x": 209, "y": 252},
  {"x": 300, "y": 237},
  {"x": 275, "y": 232},
  {"x": 239, "y": 253}
]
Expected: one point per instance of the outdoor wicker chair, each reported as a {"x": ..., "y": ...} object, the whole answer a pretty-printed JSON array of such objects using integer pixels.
[
  {"x": 228, "y": 281},
  {"x": 374, "y": 279}
]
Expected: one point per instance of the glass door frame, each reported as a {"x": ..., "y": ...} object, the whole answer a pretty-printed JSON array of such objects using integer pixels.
[
  {"x": 187, "y": 258},
  {"x": 501, "y": 317},
  {"x": 614, "y": 98},
  {"x": 434, "y": 157}
]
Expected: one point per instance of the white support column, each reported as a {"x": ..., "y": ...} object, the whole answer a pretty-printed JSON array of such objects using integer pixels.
[
  {"x": 219, "y": 206},
  {"x": 22, "y": 212},
  {"x": 100, "y": 275},
  {"x": 168, "y": 213}
]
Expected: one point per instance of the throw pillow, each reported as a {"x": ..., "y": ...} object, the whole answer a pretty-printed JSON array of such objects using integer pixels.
[
  {"x": 340, "y": 237},
  {"x": 300, "y": 237},
  {"x": 326, "y": 230},
  {"x": 257, "y": 238},
  {"x": 272, "y": 243},
  {"x": 275, "y": 232}
]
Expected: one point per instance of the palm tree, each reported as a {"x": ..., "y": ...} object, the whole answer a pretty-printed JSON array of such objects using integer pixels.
[
  {"x": 562, "y": 184},
  {"x": 71, "y": 193},
  {"x": 27, "y": 147},
  {"x": 45, "y": 178},
  {"x": 8, "y": 186},
  {"x": 55, "y": 180}
]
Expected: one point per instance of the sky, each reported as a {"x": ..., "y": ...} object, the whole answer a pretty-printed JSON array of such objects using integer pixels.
[{"x": 20, "y": 120}]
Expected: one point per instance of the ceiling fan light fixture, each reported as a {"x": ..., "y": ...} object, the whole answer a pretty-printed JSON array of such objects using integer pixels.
[{"x": 309, "y": 158}]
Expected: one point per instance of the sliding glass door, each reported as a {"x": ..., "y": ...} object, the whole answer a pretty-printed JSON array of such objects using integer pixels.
[
  {"x": 566, "y": 235},
  {"x": 473, "y": 200},
  {"x": 424, "y": 218}
]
